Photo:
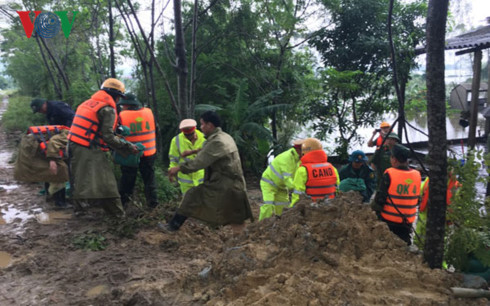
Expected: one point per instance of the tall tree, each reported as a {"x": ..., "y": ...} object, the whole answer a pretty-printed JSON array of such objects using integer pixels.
[
  {"x": 436, "y": 117},
  {"x": 357, "y": 80}
]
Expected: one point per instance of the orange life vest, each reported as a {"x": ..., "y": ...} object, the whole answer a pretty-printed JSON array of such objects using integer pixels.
[
  {"x": 142, "y": 126},
  {"x": 451, "y": 184},
  {"x": 322, "y": 178},
  {"x": 403, "y": 196},
  {"x": 85, "y": 128},
  {"x": 44, "y": 132}
]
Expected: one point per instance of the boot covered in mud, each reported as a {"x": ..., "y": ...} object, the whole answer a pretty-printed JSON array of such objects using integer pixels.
[{"x": 60, "y": 198}]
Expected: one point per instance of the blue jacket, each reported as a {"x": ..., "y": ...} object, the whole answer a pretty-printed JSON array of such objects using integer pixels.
[{"x": 58, "y": 112}]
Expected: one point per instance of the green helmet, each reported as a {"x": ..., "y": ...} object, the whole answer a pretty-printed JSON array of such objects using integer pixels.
[{"x": 130, "y": 99}]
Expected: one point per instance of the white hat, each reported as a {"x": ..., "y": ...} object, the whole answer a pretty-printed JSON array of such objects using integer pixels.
[
  {"x": 187, "y": 123},
  {"x": 298, "y": 142}
]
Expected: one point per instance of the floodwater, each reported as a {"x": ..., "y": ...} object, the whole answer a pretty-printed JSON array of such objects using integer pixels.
[{"x": 419, "y": 122}]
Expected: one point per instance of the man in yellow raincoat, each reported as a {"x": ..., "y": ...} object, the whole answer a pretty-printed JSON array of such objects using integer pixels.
[
  {"x": 184, "y": 147},
  {"x": 277, "y": 179}
]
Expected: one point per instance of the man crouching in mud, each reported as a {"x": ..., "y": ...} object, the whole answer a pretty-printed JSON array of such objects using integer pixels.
[{"x": 222, "y": 198}]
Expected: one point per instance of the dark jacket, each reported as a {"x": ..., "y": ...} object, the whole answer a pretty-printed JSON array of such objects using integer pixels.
[
  {"x": 58, "y": 112},
  {"x": 365, "y": 173}
]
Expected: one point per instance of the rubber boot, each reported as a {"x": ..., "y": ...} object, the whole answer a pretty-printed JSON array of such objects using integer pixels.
[{"x": 59, "y": 198}]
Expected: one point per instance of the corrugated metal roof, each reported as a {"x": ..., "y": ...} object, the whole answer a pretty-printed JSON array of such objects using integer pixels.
[
  {"x": 477, "y": 38},
  {"x": 467, "y": 86}
]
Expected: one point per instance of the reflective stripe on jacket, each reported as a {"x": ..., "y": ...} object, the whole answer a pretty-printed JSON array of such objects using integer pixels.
[
  {"x": 403, "y": 196},
  {"x": 44, "y": 132},
  {"x": 322, "y": 176},
  {"x": 301, "y": 176},
  {"x": 142, "y": 126},
  {"x": 179, "y": 144},
  {"x": 84, "y": 130},
  {"x": 280, "y": 172}
]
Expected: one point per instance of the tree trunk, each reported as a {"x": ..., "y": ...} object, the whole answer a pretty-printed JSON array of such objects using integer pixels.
[
  {"x": 475, "y": 92},
  {"x": 436, "y": 118},
  {"x": 58, "y": 91},
  {"x": 111, "y": 40},
  {"x": 181, "y": 60}
]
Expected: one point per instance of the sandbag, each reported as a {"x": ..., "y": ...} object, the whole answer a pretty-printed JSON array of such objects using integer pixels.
[
  {"x": 132, "y": 160},
  {"x": 33, "y": 166}
]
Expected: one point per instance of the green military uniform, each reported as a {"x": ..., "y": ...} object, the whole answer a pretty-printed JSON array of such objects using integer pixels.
[
  {"x": 222, "y": 198},
  {"x": 91, "y": 168},
  {"x": 381, "y": 161},
  {"x": 365, "y": 173}
]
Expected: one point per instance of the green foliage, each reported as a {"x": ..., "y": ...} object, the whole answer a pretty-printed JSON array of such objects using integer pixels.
[
  {"x": 63, "y": 68},
  {"x": 90, "y": 240},
  {"x": 469, "y": 236},
  {"x": 244, "y": 124},
  {"x": 416, "y": 95},
  {"x": 19, "y": 116},
  {"x": 358, "y": 78},
  {"x": 166, "y": 191},
  {"x": 128, "y": 227}
]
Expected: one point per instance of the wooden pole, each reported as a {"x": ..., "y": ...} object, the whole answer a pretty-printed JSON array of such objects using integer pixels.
[{"x": 475, "y": 91}]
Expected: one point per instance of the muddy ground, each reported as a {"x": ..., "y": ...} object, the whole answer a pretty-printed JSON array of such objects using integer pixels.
[{"x": 335, "y": 254}]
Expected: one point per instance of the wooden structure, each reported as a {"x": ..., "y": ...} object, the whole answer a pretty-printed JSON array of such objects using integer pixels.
[
  {"x": 460, "y": 97},
  {"x": 473, "y": 42}
]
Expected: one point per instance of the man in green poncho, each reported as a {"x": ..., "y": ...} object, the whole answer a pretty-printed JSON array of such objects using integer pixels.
[
  {"x": 222, "y": 198},
  {"x": 91, "y": 135}
]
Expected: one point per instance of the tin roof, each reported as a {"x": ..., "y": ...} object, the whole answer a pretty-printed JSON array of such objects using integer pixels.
[{"x": 479, "y": 38}]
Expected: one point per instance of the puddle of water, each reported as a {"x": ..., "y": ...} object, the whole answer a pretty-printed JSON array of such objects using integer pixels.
[
  {"x": 5, "y": 259},
  {"x": 10, "y": 214},
  {"x": 52, "y": 217},
  {"x": 97, "y": 290},
  {"x": 9, "y": 187}
]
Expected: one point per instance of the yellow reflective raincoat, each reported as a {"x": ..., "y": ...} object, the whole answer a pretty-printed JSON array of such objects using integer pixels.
[
  {"x": 178, "y": 145},
  {"x": 275, "y": 182}
]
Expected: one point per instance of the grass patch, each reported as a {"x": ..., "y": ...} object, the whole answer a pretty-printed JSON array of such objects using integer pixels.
[
  {"x": 91, "y": 241},
  {"x": 19, "y": 116}
]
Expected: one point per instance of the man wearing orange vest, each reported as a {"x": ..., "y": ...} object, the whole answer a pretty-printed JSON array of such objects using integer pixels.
[
  {"x": 396, "y": 201},
  {"x": 142, "y": 129},
  {"x": 452, "y": 187},
  {"x": 315, "y": 177},
  {"x": 383, "y": 130},
  {"x": 90, "y": 137}
]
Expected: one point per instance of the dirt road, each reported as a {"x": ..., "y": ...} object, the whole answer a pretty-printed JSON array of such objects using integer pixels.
[{"x": 335, "y": 254}]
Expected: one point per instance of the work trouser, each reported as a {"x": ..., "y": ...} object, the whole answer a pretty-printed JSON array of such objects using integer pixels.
[
  {"x": 128, "y": 180},
  {"x": 275, "y": 199}
]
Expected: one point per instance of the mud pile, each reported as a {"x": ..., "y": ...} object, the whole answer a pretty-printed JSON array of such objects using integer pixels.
[{"x": 331, "y": 254}]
